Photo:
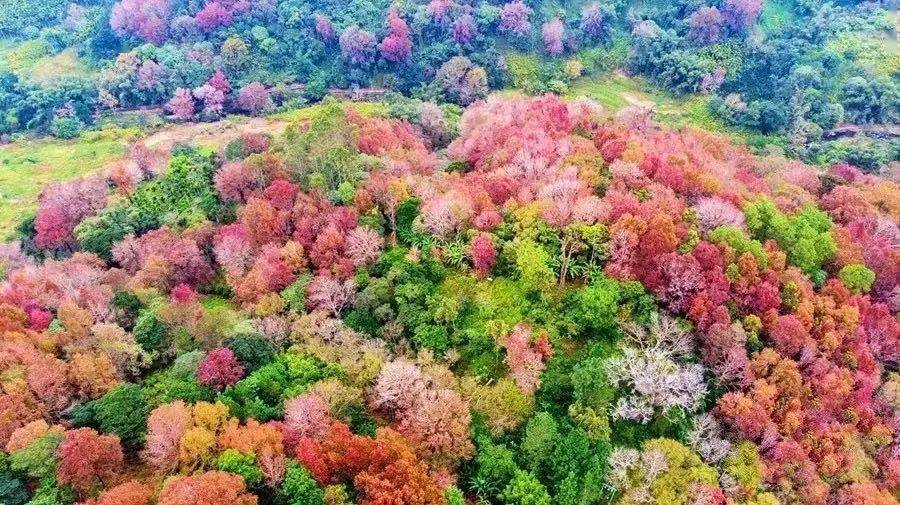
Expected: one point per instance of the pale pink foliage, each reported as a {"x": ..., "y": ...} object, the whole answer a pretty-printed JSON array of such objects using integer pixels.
[
  {"x": 742, "y": 14},
  {"x": 651, "y": 371},
  {"x": 707, "y": 24},
  {"x": 162, "y": 259},
  {"x": 514, "y": 17},
  {"x": 552, "y": 33},
  {"x": 307, "y": 415},
  {"x": 181, "y": 105},
  {"x": 438, "y": 425},
  {"x": 233, "y": 249},
  {"x": 445, "y": 214},
  {"x": 150, "y": 75},
  {"x": 237, "y": 181},
  {"x": 62, "y": 206},
  {"x": 707, "y": 437},
  {"x": 398, "y": 386},
  {"x": 592, "y": 23},
  {"x": 526, "y": 357},
  {"x": 145, "y": 19},
  {"x": 464, "y": 29},
  {"x": 711, "y": 82},
  {"x": 213, "y": 99},
  {"x": 165, "y": 428},
  {"x": 438, "y": 10},
  {"x": 713, "y": 212},
  {"x": 330, "y": 294},
  {"x": 324, "y": 27},
  {"x": 212, "y": 16},
  {"x": 254, "y": 98},
  {"x": 357, "y": 45},
  {"x": 363, "y": 245}
]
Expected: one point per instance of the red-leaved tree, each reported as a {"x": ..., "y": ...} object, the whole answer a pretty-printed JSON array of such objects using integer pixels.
[{"x": 87, "y": 458}]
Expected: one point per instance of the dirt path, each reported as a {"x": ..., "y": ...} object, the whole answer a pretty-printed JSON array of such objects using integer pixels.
[
  {"x": 638, "y": 102},
  {"x": 218, "y": 133}
]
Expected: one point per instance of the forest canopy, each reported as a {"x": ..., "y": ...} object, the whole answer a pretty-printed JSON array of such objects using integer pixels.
[{"x": 557, "y": 307}]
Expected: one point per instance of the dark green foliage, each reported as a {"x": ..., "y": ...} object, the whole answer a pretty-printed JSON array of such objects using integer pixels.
[
  {"x": 541, "y": 434},
  {"x": 789, "y": 73},
  {"x": 251, "y": 350},
  {"x": 181, "y": 196},
  {"x": 261, "y": 394},
  {"x": 495, "y": 467},
  {"x": 236, "y": 150},
  {"x": 325, "y": 155},
  {"x": 360, "y": 421},
  {"x": 406, "y": 230},
  {"x": 675, "y": 425},
  {"x": 18, "y": 17},
  {"x": 66, "y": 127},
  {"x": 578, "y": 466},
  {"x": 83, "y": 415},
  {"x": 805, "y": 237},
  {"x": 595, "y": 307},
  {"x": 404, "y": 289},
  {"x": 12, "y": 490},
  {"x": 149, "y": 332},
  {"x": 316, "y": 87},
  {"x": 98, "y": 234},
  {"x": 590, "y": 385},
  {"x": 168, "y": 386},
  {"x": 49, "y": 493},
  {"x": 127, "y": 309},
  {"x": 556, "y": 392},
  {"x": 868, "y": 100},
  {"x": 295, "y": 294},
  {"x": 870, "y": 155},
  {"x": 123, "y": 412},
  {"x": 667, "y": 62}
]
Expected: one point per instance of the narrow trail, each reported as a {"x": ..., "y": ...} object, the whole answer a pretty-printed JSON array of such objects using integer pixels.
[{"x": 217, "y": 133}]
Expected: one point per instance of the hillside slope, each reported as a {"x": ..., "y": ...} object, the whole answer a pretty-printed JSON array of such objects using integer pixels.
[{"x": 532, "y": 303}]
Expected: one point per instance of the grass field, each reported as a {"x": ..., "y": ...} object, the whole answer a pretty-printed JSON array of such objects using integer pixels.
[
  {"x": 32, "y": 61},
  {"x": 303, "y": 113},
  {"x": 616, "y": 91},
  {"x": 27, "y": 166}
]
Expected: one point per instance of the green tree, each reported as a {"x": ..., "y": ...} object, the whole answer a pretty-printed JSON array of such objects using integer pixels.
[
  {"x": 595, "y": 306},
  {"x": 241, "y": 464},
  {"x": 805, "y": 237},
  {"x": 123, "y": 412},
  {"x": 541, "y": 434},
  {"x": 533, "y": 265},
  {"x": 525, "y": 489},
  {"x": 299, "y": 487},
  {"x": 857, "y": 278}
]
